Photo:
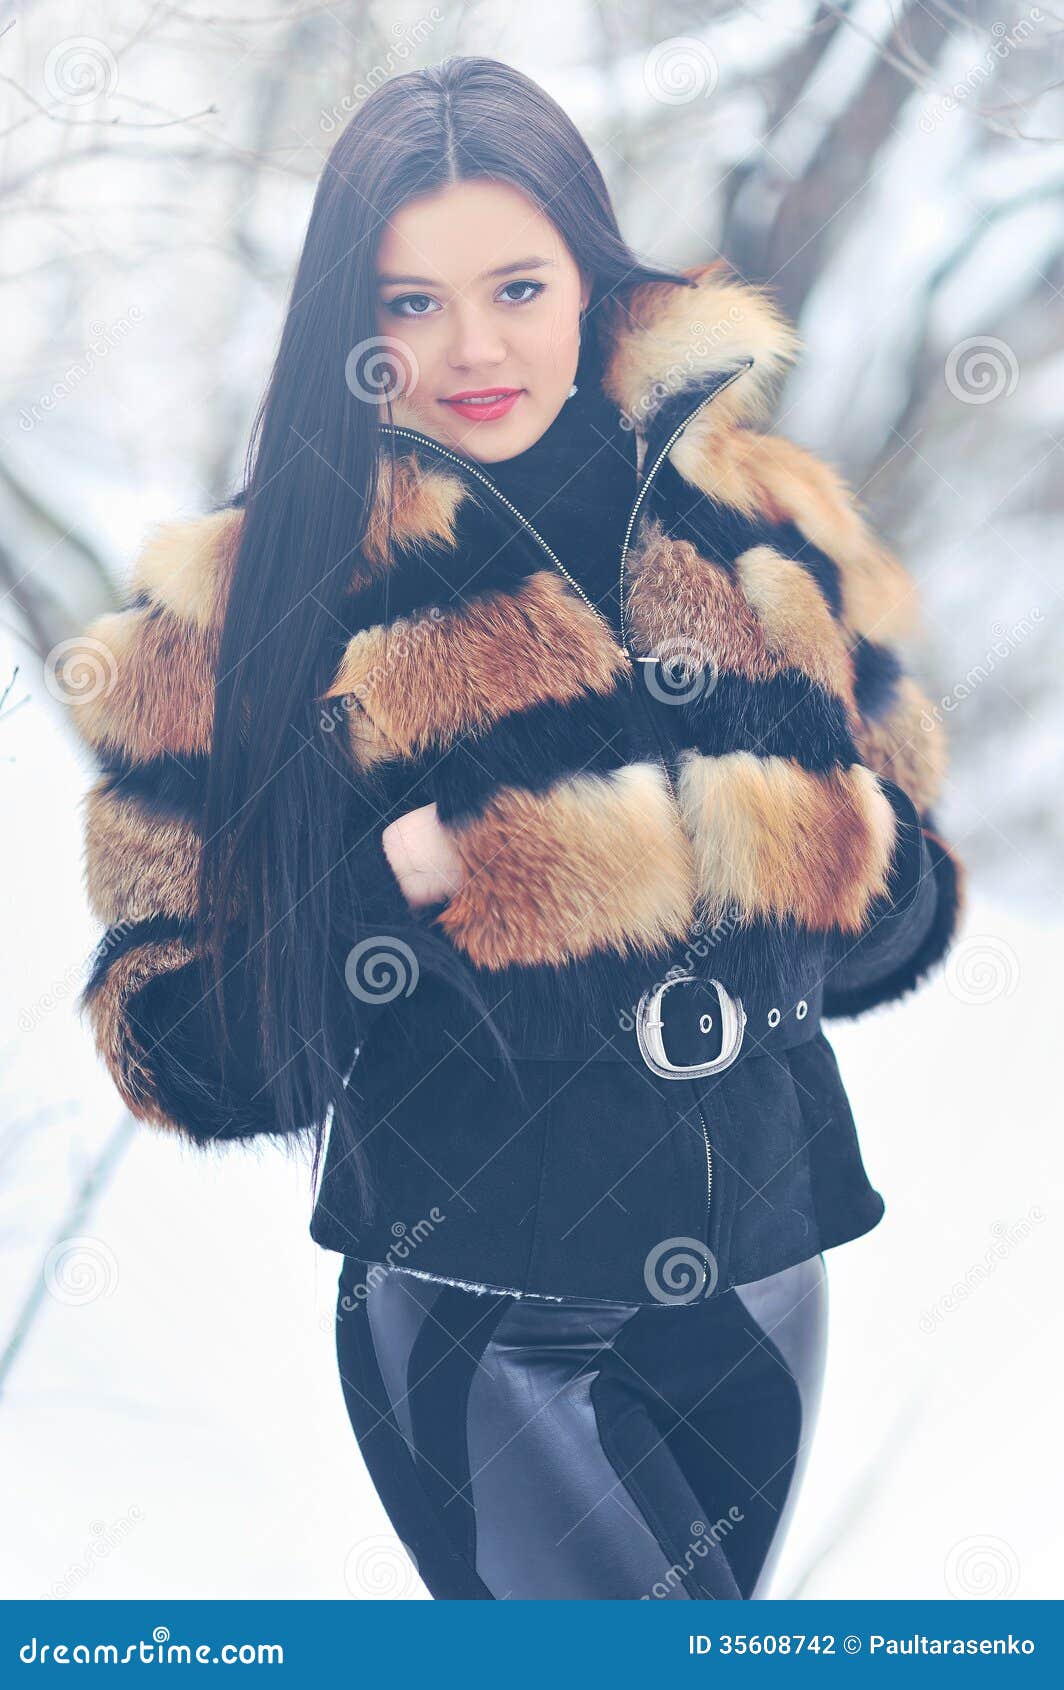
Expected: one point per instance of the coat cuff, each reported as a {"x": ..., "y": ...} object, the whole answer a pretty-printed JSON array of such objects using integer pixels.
[{"x": 910, "y": 929}]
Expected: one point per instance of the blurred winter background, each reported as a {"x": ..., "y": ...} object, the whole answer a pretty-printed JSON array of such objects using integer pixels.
[{"x": 172, "y": 1417}]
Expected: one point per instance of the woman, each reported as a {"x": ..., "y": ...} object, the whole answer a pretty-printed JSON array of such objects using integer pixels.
[{"x": 506, "y": 782}]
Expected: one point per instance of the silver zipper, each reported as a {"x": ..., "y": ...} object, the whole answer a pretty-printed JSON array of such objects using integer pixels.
[{"x": 471, "y": 469}]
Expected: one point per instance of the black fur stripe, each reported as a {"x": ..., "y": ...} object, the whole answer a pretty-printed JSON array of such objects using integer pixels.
[
  {"x": 167, "y": 785},
  {"x": 679, "y": 407},
  {"x": 492, "y": 553},
  {"x": 527, "y": 748},
  {"x": 877, "y": 673},
  {"x": 721, "y": 533},
  {"x": 124, "y": 937},
  {"x": 789, "y": 716}
]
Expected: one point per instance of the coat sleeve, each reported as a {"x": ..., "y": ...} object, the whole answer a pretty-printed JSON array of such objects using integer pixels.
[
  {"x": 897, "y": 731},
  {"x": 809, "y": 514},
  {"x": 141, "y": 687}
]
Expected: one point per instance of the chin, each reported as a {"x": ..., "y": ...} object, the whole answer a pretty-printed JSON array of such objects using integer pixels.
[{"x": 492, "y": 442}]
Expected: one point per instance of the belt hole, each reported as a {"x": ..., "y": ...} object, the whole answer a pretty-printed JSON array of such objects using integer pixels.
[
  {"x": 705, "y": 1022},
  {"x": 802, "y": 1009},
  {"x": 773, "y": 1017}
]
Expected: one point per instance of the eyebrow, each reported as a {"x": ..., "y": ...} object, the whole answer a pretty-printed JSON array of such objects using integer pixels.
[{"x": 503, "y": 270}]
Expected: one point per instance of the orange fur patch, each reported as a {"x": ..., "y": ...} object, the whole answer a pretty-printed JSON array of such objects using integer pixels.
[
  {"x": 668, "y": 336},
  {"x": 149, "y": 687},
  {"x": 129, "y": 1065},
  {"x": 187, "y": 565},
  {"x": 770, "y": 476},
  {"x": 907, "y": 745},
  {"x": 137, "y": 865},
  {"x": 595, "y": 862},
  {"x": 769, "y": 618},
  {"x": 425, "y": 509},
  {"x": 775, "y": 841},
  {"x": 428, "y": 680}
]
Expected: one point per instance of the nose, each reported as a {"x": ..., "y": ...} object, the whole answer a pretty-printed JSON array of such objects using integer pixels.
[{"x": 475, "y": 341}]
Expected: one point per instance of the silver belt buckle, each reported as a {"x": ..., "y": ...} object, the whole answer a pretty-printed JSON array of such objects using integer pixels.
[{"x": 648, "y": 1025}]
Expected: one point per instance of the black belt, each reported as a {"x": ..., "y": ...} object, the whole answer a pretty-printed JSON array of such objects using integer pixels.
[{"x": 689, "y": 1027}]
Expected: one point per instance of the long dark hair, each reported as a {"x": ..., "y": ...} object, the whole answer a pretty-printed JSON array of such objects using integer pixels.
[{"x": 283, "y": 823}]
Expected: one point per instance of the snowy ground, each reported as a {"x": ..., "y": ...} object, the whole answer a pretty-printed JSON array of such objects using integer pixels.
[{"x": 174, "y": 1422}]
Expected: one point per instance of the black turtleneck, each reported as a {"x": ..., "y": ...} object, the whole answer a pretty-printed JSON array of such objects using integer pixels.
[{"x": 576, "y": 485}]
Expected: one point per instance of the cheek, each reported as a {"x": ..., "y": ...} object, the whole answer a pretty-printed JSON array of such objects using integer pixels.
[
  {"x": 549, "y": 351},
  {"x": 409, "y": 358}
]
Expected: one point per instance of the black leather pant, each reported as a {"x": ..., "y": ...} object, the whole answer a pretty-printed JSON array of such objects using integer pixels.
[{"x": 528, "y": 1449}]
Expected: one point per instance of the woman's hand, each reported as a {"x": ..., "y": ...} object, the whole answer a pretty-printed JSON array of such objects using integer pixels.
[{"x": 423, "y": 857}]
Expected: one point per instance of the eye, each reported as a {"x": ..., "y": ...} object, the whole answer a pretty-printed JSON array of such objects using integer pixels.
[
  {"x": 537, "y": 289},
  {"x": 395, "y": 305}
]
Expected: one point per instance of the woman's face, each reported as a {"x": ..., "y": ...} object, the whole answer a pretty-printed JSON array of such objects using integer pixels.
[{"x": 485, "y": 296}]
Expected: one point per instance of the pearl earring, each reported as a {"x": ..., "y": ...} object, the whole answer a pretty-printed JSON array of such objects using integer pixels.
[{"x": 580, "y": 332}]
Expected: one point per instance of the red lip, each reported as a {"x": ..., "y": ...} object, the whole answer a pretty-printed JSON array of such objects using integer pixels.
[
  {"x": 479, "y": 392},
  {"x": 494, "y": 402}
]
